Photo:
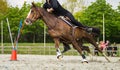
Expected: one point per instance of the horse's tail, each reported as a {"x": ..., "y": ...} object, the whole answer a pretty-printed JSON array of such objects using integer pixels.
[{"x": 96, "y": 31}]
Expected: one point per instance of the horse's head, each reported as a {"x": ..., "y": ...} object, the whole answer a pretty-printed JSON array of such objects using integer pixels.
[{"x": 33, "y": 14}]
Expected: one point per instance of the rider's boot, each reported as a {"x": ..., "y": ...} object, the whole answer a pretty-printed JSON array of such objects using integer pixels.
[
  {"x": 89, "y": 30},
  {"x": 94, "y": 30}
]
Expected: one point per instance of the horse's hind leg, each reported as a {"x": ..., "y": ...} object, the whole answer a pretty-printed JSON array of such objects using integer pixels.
[
  {"x": 57, "y": 42},
  {"x": 80, "y": 42},
  {"x": 86, "y": 48},
  {"x": 90, "y": 39}
]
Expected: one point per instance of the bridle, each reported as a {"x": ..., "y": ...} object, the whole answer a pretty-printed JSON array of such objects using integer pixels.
[{"x": 36, "y": 15}]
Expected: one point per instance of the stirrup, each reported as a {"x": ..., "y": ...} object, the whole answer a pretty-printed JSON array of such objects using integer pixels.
[{"x": 89, "y": 30}]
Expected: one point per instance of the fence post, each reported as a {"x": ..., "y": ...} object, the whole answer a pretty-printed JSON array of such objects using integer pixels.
[
  {"x": 2, "y": 47},
  {"x": 118, "y": 51}
]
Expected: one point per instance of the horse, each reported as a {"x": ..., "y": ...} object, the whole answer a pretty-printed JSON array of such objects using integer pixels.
[{"x": 60, "y": 31}]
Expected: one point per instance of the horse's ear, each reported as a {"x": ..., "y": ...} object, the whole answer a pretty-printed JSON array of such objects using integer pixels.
[{"x": 33, "y": 4}]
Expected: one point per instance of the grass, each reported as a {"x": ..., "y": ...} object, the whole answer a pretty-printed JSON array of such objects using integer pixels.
[{"x": 35, "y": 48}]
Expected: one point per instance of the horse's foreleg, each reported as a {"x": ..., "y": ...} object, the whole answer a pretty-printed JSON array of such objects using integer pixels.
[
  {"x": 57, "y": 42},
  {"x": 78, "y": 48}
]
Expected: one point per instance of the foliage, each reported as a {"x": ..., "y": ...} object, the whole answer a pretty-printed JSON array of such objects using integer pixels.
[
  {"x": 3, "y": 8},
  {"x": 93, "y": 16},
  {"x": 74, "y": 5},
  {"x": 32, "y": 33}
]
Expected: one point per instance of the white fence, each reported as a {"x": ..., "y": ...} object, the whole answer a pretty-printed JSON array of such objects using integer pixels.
[{"x": 48, "y": 50}]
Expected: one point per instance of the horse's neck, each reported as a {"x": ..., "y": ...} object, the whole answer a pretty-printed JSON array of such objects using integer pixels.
[{"x": 48, "y": 18}]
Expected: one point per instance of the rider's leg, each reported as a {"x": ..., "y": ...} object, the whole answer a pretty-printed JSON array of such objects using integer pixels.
[{"x": 73, "y": 20}]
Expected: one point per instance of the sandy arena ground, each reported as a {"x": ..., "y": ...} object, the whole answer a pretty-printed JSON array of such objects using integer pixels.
[{"x": 46, "y": 62}]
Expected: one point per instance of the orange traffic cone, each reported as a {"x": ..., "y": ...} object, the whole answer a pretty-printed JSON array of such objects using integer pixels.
[{"x": 14, "y": 55}]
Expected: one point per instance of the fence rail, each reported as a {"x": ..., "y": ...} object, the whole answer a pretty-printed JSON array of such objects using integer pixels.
[{"x": 49, "y": 50}]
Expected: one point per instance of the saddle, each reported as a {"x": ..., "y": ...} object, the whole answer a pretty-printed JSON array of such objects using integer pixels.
[
  {"x": 67, "y": 20},
  {"x": 95, "y": 33}
]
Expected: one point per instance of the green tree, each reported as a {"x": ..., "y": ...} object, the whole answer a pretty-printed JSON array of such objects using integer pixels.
[
  {"x": 93, "y": 16},
  {"x": 118, "y": 16},
  {"x": 29, "y": 33},
  {"x": 3, "y": 8},
  {"x": 74, "y": 5}
]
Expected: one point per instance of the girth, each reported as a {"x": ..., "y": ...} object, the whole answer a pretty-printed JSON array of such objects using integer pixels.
[{"x": 73, "y": 27}]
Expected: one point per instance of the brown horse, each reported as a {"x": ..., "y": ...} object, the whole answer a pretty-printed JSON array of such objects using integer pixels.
[{"x": 60, "y": 31}]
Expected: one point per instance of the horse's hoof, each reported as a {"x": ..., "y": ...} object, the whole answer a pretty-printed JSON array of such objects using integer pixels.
[
  {"x": 84, "y": 61},
  {"x": 59, "y": 57}
]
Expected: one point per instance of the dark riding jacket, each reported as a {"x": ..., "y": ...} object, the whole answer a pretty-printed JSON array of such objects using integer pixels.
[{"x": 60, "y": 11}]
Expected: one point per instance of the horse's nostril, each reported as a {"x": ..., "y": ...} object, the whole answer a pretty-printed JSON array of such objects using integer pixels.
[{"x": 27, "y": 20}]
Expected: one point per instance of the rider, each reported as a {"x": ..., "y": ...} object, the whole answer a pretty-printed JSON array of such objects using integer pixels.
[{"x": 55, "y": 7}]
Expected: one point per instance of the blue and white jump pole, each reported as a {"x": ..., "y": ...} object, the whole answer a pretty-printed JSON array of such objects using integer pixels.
[{"x": 15, "y": 45}]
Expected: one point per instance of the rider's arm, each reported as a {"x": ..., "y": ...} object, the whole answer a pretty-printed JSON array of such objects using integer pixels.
[
  {"x": 50, "y": 10},
  {"x": 46, "y": 6},
  {"x": 50, "y": 7},
  {"x": 54, "y": 4}
]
